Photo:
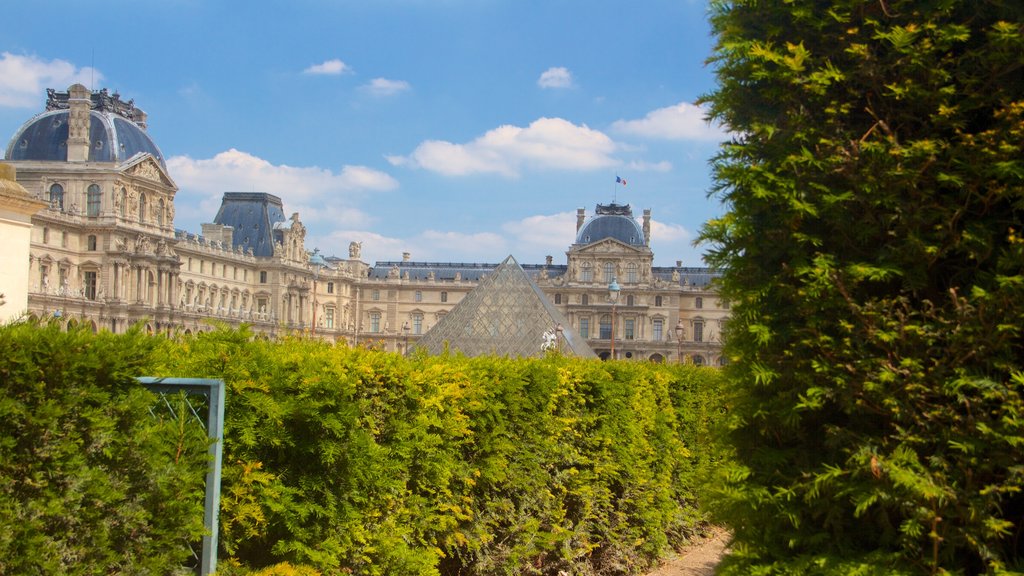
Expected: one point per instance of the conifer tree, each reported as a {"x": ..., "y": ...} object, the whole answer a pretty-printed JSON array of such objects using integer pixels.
[{"x": 873, "y": 246}]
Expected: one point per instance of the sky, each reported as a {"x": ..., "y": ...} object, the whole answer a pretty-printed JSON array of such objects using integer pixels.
[{"x": 454, "y": 130}]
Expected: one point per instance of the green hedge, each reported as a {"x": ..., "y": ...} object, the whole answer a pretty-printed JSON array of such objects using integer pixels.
[
  {"x": 340, "y": 460},
  {"x": 349, "y": 460},
  {"x": 90, "y": 482}
]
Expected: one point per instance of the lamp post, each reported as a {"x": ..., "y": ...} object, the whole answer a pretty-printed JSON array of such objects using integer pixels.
[
  {"x": 679, "y": 341},
  {"x": 405, "y": 331},
  {"x": 613, "y": 296}
]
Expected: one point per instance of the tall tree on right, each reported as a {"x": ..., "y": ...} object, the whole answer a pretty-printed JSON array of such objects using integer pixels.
[{"x": 873, "y": 251}]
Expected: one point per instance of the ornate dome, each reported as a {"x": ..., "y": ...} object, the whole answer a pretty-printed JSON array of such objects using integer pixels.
[
  {"x": 116, "y": 131},
  {"x": 611, "y": 221}
]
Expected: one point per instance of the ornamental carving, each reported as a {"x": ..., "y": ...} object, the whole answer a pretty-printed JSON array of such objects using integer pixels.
[{"x": 149, "y": 171}]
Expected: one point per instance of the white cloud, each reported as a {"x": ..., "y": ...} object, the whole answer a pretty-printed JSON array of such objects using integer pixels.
[
  {"x": 385, "y": 87},
  {"x": 317, "y": 193},
  {"x": 680, "y": 122},
  {"x": 551, "y": 143},
  {"x": 23, "y": 79},
  {"x": 551, "y": 234},
  {"x": 555, "y": 77},
  {"x": 663, "y": 233},
  {"x": 642, "y": 166},
  {"x": 328, "y": 68}
]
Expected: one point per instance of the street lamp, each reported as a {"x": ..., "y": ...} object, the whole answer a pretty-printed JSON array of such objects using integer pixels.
[
  {"x": 679, "y": 341},
  {"x": 405, "y": 330},
  {"x": 613, "y": 297}
]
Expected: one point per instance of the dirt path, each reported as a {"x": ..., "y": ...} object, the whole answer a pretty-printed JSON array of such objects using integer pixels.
[{"x": 698, "y": 559}]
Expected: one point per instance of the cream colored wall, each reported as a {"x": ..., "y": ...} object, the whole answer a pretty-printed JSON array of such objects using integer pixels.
[{"x": 15, "y": 233}]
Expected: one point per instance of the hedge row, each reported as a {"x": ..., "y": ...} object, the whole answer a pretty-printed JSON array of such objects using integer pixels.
[{"x": 341, "y": 460}]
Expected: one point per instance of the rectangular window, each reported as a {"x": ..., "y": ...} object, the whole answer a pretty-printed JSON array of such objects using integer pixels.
[
  {"x": 444, "y": 296},
  {"x": 698, "y": 331},
  {"x": 374, "y": 322},
  {"x": 417, "y": 323},
  {"x": 44, "y": 278},
  {"x": 658, "y": 329},
  {"x": 629, "y": 300},
  {"x": 91, "y": 243},
  {"x": 558, "y": 298},
  {"x": 584, "y": 328},
  {"x": 330, "y": 287},
  {"x": 419, "y": 296},
  {"x": 90, "y": 285},
  {"x": 263, "y": 276},
  {"x": 261, "y": 305},
  {"x": 629, "y": 327},
  {"x": 329, "y": 317},
  {"x": 375, "y": 295},
  {"x": 606, "y": 327},
  {"x": 609, "y": 272}
]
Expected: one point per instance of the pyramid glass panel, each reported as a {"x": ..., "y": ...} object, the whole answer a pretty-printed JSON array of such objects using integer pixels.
[{"x": 505, "y": 315}]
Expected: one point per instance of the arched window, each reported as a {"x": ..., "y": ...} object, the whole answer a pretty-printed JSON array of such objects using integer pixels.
[
  {"x": 587, "y": 273},
  {"x": 698, "y": 360},
  {"x": 57, "y": 197},
  {"x": 142, "y": 208},
  {"x": 93, "y": 198}
]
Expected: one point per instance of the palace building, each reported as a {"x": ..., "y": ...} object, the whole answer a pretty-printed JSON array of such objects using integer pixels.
[{"x": 103, "y": 249}]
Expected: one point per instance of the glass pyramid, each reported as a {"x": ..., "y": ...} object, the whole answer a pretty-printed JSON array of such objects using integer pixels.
[{"x": 505, "y": 315}]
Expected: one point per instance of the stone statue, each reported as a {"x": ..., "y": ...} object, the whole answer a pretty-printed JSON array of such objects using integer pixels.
[{"x": 354, "y": 250}]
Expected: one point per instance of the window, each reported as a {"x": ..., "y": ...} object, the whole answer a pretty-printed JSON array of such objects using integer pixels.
[
  {"x": 558, "y": 298},
  {"x": 657, "y": 300},
  {"x": 698, "y": 360},
  {"x": 609, "y": 272},
  {"x": 588, "y": 273},
  {"x": 417, "y": 323},
  {"x": 659, "y": 326},
  {"x": 91, "y": 242},
  {"x": 261, "y": 305},
  {"x": 64, "y": 239},
  {"x": 142, "y": 208},
  {"x": 329, "y": 317},
  {"x": 44, "y": 277},
  {"x": 585, "y": 299},
  {"x": 374, "y": 322},
  {"x": 263, "y": 276},
  {"x": 62, "y": 279},
  {"x": 93, "y": 199},
  {"x": 444, "y": 296},
  {"x": 46, "y": 235},
  {"x": 584, "y": 328},
  {"x": 375, "y": 295},
  {"x": 630, "y": 326},
  {"x": 698, "y": 303},
  {"x": 90, "y": 285},
  {"x": 631, "y": 275},
  {"x": 419, "y": 296},
  {"x": 330, "y": 287},
  {"x": 57, "y": 197},
  {"x": 629, "y": 300},
  {"x": 606, "y": 327},
  {"x": 698, "y": 331}
]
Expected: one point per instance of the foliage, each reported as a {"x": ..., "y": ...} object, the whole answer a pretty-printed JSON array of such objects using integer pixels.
[
  {"x": 90, "y": 482},
  {"x": 872, "y": 254},
  {"x": 358, "y": 461}
]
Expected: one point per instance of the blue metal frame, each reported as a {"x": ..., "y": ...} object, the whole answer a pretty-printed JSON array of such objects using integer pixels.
[{"x": 213, "y": 390}]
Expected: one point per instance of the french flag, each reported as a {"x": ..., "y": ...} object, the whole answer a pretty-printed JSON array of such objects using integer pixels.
[{"x": 620, "y": 180}]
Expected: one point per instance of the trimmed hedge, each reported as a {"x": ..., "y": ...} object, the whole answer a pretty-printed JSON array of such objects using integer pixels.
[
  {"x": 90, "y": 482},
  {"x": 349, "y": 460}
]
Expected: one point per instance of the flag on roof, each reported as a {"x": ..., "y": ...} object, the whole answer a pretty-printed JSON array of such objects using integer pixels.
[{"x": 620, "y": 180}]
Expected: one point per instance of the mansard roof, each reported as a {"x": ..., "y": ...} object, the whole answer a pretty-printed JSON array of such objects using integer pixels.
[{"x": 253, "y": 216}]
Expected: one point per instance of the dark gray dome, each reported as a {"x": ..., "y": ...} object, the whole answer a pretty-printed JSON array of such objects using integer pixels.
[
  {"x": 112, "y": 138},
  {"x": 611, "y": 221}
]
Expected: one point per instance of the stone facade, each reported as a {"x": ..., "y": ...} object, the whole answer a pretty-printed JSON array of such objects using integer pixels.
[{"x": 105, "y": 251}]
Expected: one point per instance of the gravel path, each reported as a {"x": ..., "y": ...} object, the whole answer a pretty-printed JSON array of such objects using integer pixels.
[{"x": 698, "y": 559}]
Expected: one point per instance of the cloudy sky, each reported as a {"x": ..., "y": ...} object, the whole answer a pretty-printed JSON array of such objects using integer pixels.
[{"x": 456, "y": 130}]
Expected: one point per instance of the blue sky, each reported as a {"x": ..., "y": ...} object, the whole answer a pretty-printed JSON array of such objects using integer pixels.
[{"x": 456, "y": 130}]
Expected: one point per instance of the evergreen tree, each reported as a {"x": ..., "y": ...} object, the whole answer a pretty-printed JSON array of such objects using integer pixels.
[{"x": 873, "y": 250}]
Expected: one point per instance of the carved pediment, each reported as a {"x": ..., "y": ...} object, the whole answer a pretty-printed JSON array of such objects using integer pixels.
[
  {"x": 609, "y": 246},
  {"x": 147, "y": 168}
]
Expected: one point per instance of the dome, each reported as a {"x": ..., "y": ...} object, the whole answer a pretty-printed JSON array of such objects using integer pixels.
[
  {"x": 113, "y": 137},
  {"x": 611, "y": 221}
]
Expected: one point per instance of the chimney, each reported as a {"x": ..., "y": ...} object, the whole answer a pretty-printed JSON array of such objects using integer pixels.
[
  {"x": 647, "y": 226},
  {"x": 80, "y": 102},
  {"x": 581, "y": 216},
  {"x": 406, "y": 256},
  {"x": 548, "y": 260}
]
